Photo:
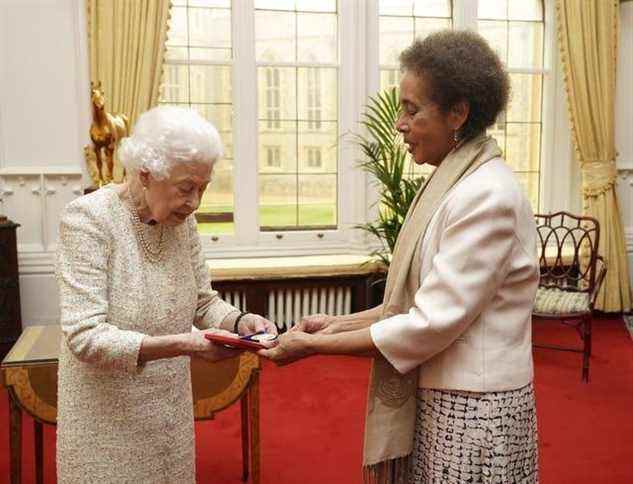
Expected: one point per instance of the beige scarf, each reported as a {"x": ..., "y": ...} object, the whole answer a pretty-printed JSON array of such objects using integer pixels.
[{"x": 391, "y": 405}]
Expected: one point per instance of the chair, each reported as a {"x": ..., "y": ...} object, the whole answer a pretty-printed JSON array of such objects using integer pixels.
[{"x": 571, "y": 275}]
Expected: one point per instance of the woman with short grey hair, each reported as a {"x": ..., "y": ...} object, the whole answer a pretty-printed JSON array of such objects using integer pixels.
[{"x": 132, "y": 282}]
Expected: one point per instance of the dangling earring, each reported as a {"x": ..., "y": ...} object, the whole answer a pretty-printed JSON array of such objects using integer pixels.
[{"x": 456, "y": 135}]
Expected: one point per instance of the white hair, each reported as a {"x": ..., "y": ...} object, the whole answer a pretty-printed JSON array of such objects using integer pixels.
[{"x": 166, "y": 135}]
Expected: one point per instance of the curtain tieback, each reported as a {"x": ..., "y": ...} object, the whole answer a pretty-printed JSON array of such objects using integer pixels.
[{"x": 598, "y": 177}]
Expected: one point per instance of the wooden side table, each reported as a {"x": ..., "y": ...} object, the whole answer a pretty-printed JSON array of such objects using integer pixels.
[{"x": 29, "y": 372}]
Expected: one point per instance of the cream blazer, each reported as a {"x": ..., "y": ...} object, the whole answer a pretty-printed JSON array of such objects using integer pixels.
[{"x": 470, "y": 327}]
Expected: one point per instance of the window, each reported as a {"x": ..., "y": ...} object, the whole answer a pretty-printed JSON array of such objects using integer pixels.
[
  {"x": 273, "y": 157},
  {"x": 314, "y": 98},
  {"x": 400, "y": 23},
  {"x": 298, "y": 41},
  {"x": 390, "y": 78},
  {"x": 272, "y": 98},
  {"x": 515, "y": 29},
  {"x": 285, "y": 81},
  {"x": 314, "y": 157},
  {"x": 173, "y": 87},
  {"x": 198, "y": 74}
]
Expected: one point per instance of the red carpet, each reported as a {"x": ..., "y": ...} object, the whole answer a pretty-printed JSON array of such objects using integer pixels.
[{"x": 313, "y": 412}]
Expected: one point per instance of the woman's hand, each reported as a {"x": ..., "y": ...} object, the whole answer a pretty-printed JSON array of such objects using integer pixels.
[
  {"x": 291, "y": 346},
  {"x": 195, "y": 344},
  {"x": 254, "y": 323},
  {"x": 316, "y": 323}
]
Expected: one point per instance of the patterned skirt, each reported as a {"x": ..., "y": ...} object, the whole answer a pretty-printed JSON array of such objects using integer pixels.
[{"x": 475, "y": 437}]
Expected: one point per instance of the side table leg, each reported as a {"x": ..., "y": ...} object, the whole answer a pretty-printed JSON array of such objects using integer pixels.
[
  {"x": 245, "y": 436},
  {"x": 39, "y": 452},
  {"x": 15, "y": 440},
  {"x": 253, "y": 401}
]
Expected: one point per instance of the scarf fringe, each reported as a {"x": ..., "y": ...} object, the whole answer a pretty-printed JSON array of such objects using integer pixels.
[{"x": 392, "y": 471}]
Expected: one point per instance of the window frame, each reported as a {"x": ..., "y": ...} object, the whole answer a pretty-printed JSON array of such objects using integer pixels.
[
  {"x": 558, "y": 187},
  {"x": 358, "y": 77},
  {"x": 248, "y": 239}
]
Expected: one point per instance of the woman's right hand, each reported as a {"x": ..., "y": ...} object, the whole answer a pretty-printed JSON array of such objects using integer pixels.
[
  {"x": 317, "y": 323},
  {"x": 195, "y": 344}
]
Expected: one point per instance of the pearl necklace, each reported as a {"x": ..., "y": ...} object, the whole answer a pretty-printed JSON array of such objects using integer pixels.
[{"x": 151, "y": 255}]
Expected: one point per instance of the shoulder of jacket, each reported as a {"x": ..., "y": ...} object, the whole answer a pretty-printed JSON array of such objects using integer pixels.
[
  {"x": 492, "y": 183},
  {"x": 94, "y": 206}
]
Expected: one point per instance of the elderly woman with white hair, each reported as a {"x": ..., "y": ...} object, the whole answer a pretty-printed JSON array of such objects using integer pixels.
[{"x": 132, "y": 283}]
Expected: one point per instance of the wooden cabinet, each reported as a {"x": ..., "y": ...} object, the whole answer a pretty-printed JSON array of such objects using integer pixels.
[{"x": 10, "y": 318}]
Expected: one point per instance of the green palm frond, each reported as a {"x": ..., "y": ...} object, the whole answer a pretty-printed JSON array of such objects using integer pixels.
[{"x": 385, "y": 158}]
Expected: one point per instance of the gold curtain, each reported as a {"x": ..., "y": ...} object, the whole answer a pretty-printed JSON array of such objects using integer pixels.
[
  {"x": 588, "y": 36},
  {"x": 127, "y": 48}
]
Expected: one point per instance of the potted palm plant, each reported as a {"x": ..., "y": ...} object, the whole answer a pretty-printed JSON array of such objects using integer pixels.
[{"x": 386, "y": 158}]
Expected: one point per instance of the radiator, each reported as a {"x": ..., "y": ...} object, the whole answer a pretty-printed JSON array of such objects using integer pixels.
[
  {"x": 236, "y": 298},
  {"x": 287, "y": 305}
]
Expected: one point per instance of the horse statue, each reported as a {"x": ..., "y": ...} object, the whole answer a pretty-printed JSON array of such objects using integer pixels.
[{"x": 105, "y": 132}]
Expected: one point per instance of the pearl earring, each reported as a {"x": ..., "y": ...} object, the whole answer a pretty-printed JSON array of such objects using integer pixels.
[{"x": 456, "y": 136}]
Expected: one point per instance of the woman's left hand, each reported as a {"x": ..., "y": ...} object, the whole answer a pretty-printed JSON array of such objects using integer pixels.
[
  {"x": 254, "y": 323},
  {"x": 292, "y": 346}
]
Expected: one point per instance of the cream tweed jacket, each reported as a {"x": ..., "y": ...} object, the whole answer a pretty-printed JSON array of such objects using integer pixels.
[{"x": 118, "y": 421}]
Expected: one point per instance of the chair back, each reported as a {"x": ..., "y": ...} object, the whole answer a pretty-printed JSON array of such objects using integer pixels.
[{"x": 568, "y": 251}]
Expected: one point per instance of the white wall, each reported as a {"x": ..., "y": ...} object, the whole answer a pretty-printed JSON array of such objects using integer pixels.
[
  {"x": 43, "y": 126},
  {"x": 44, "y": 120}
]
